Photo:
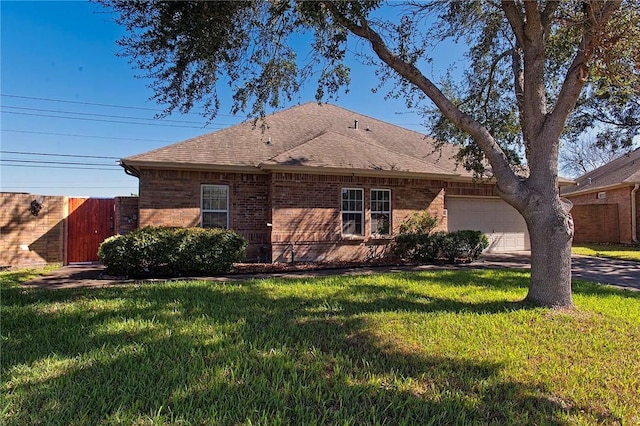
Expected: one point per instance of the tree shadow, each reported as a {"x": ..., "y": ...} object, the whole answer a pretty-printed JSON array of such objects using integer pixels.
[{"x": 253, "y": 357}]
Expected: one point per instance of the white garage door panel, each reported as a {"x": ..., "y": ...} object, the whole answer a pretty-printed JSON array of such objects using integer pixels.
[{"x": 505, "y": 227}]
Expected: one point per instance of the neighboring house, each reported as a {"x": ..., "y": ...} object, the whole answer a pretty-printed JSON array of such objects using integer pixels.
[
  {"x": 317, "y": 182},
  {"x": 606, "y": 202}
]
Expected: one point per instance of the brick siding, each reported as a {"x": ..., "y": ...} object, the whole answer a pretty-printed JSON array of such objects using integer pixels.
[
  {"x": 172, "y": 198},
  {"x": 596, "y": 223},
  {"x": 28, "y": 240},
  {"x": 307, "y": 214},
  {"x": 126, "y": 214},
  {"x": 586, "y": 224},
  {"x": 304, "y": 210}
]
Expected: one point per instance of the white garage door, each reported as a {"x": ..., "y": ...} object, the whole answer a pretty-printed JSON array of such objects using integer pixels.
[{"x": 505, "y": 227}]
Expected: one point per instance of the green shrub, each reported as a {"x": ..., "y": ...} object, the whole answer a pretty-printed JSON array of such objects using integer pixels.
[
  {"x": 418, "y": 223},
  {"x": 470, "y": 243},
  {"x": 115, "y": 253},
  {"x": 172, "y": 251},
  {"x": 458, "y": 246}
]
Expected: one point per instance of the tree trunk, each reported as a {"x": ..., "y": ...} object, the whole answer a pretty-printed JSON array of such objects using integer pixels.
[{"x": 551, "y": 232}]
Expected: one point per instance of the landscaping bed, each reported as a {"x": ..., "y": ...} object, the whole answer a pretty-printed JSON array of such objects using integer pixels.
[{"x": 266, "y": 268}]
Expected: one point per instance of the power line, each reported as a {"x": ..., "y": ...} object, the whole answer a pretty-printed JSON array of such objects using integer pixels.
[
  {"x": 58, "y": 167},
  {"x": 85, "y": 136},
  {"x": 98, "y": 119},
  {"x": 11, "y": 160},
  {"x": 58, "y": 155},
  {"x": 94, "y": 104},
  {"x": 110, "y": 116}
]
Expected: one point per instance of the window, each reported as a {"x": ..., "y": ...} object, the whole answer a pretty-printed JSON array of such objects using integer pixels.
[
  {"x": 215, "y": 206},
  {"x": 352, "y": 211},
  {"x": 380, "y": 212}
]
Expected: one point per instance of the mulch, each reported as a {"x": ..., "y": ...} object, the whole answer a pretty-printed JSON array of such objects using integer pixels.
[{"x": 270, "y": 268}]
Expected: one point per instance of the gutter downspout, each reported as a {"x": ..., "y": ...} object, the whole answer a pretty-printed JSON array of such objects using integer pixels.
[
  {"x": 129, "y": 170},
  {"x": 634, "y": 214}
]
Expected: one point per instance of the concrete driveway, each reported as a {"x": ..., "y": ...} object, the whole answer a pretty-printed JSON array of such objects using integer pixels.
[{"x": 618, "y": 273}]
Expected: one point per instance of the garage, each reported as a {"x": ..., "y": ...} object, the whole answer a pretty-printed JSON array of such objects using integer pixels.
[{"x": 505, "y": 227}]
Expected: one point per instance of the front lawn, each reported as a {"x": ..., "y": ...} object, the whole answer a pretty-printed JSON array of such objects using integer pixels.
[
  {"x": 608, "y": 250},
  {"x": 439, "y": 347}
]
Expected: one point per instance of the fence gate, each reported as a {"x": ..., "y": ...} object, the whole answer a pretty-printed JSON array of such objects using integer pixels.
[{"x": 90, "y": 221}]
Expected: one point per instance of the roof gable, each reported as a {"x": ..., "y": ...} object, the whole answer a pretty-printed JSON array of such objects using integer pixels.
[
  {"x": 624, "y": 170},
  {"x": 313, "y": 135}
]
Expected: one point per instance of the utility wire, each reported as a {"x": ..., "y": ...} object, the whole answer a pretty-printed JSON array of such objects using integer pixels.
[
  {"x": 56, "y": 162},
  {"x": 98, "y": 119},
  {"x": 58, "y": 167},
  {"x": 85, "y": 136},
  {"x": 94, "y": 104},
  {"x": 130, "y": 122},
  {"x": 155, "y": 109},
  {"x": 166, "y": 120},
  {"x": 58, "y": 155}
]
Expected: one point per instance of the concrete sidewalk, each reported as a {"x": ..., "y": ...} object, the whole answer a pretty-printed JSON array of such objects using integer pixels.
[{"x": 617, "y": 273}]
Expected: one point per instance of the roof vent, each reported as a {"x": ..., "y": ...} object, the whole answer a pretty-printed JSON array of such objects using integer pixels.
[
  {"x": 355, "y": 124},
  {"x": 588, "y": 181},
  {"x": 268, "y": 141}
]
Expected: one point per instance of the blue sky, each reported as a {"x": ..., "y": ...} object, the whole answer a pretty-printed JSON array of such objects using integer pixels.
[{"x": 65, "y": 92}]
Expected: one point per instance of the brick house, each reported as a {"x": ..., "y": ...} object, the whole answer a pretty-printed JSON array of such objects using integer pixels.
[
  {"x": 316, "y": 182},
  {"x": 606, "y": 202}
]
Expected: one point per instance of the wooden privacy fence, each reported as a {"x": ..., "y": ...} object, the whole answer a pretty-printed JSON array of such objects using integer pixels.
[
  {"x": 90, "y": 222},
  {"x": 38, "y": 229}
]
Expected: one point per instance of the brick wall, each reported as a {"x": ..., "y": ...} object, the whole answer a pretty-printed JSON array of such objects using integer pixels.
[
  {"x": 27, "y": 240},
  {"x": 307, "y": 214},
  {"x": 303, "y": 209},
  {"x": 126, "y": 215},
  {"x": 596, "y": 223},
  {"x": 620, "y": 197},
  {"x": 173, "y": 198}
]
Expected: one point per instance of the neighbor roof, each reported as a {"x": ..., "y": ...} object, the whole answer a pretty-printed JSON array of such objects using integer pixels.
[
  {"x": 309, "y": 136},
  {"x": 624, "y": 170}
]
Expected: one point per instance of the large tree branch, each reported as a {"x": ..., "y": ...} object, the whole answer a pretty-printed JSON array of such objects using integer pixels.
[
  {"x": 516, "y": 20},
  {"x": 518, "y": 88},
  {"x": 547, "y": 15},
  {"x": 492, "y": 71},
  {"x": 508, "y": 183},
  {"x": 578, "y": 73},
  {"x": 527, "y": 26},
  {"x": 533, "y": 17}
]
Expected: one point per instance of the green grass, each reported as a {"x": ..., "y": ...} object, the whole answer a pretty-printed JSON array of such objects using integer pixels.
[
  {"x": 448, "y": 347},
  {"x": 610, "y": 251}
]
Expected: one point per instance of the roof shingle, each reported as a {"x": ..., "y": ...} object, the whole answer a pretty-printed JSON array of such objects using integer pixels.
[
  {"x": 623, "y": 170},
  {"x": 313, "y": 135}
]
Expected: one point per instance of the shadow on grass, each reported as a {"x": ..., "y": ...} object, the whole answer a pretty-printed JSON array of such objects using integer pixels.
[{"x": 230, "y": 354}]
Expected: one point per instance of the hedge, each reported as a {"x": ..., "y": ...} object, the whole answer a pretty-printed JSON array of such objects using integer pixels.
[
  {"x": 172, "y": 251},
  {"x": 458, "y": 246}
]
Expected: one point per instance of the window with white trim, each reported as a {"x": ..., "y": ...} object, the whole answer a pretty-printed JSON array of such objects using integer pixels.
[
  {"x": 352, "y": 211},
  {"x": 215, "y": 206},
  {"x": 380, "y": 206}
]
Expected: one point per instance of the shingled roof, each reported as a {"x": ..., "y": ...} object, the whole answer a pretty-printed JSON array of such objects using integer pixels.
[
  {"x": 623, "y": 171},
  {"x": 308, "y": 137}
]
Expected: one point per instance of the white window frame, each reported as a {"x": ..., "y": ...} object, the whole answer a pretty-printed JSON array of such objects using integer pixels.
[
  {"x": 372, "y": 212},
  {"x": 360, "y": 212},
  {"x": 203, "y": 210}
]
